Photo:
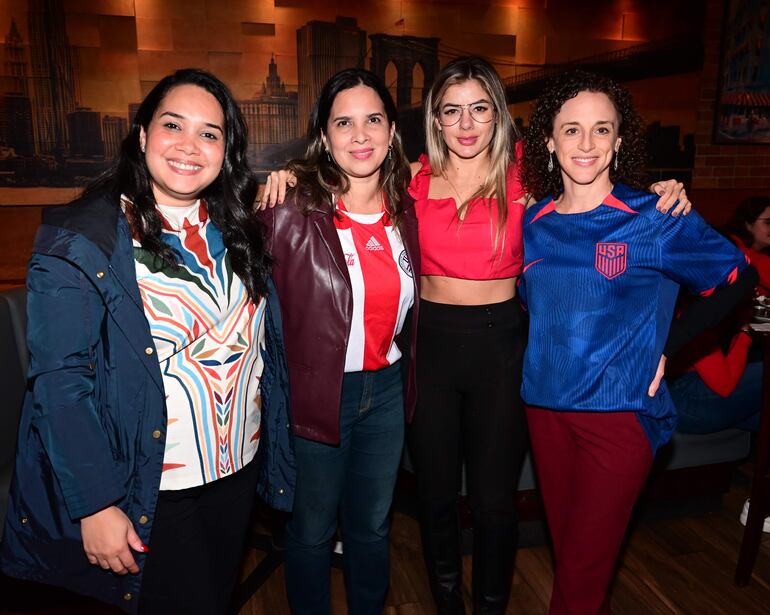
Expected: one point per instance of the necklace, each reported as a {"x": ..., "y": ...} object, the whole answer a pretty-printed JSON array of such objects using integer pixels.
[{"x": 461, "y": 201}]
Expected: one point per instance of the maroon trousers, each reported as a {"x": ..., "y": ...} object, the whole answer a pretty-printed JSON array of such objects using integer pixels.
[{"x": 591, "y": 467}]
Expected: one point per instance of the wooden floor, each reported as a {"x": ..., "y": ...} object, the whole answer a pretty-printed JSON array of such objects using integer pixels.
[{"x": 681, "y": 565}]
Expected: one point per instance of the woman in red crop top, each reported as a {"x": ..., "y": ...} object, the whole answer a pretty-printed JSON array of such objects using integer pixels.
[
  {"x": 471, "y": 333},
  {"x": 469, "y": 203}
]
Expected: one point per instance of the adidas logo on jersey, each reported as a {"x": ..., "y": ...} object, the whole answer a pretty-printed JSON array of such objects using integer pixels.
[{"x": 373, "y": 245}]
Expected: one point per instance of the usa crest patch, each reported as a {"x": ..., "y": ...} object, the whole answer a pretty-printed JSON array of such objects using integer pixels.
[{"x": 611, "y": 258}]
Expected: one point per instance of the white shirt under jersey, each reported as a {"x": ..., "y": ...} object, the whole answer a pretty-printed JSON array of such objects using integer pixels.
[{"x": 383, "y": 290}]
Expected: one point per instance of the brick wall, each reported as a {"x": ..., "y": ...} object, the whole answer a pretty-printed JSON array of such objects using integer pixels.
[{"x": 722, "y": 167}]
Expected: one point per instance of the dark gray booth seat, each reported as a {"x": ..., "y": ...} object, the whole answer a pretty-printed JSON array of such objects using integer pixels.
[
  {"x": 13, "y": 369},
  {"x": 684, "y": 451}
]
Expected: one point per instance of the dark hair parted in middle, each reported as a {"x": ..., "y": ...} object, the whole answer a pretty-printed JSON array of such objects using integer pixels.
[
  {"x": 631, "y": 157},
  {"x": 229, "y": 198},
  {"x": 318, "y": 176}
]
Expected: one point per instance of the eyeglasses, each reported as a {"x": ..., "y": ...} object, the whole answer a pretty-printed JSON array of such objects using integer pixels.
[{"x": 480, "y": 111}]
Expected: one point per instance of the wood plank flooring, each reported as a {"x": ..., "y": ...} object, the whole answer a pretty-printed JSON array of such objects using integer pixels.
[{"x": 674, "y": 566}]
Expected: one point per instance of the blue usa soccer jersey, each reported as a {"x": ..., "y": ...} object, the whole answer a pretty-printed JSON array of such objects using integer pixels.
[{"x": 600, "y": 287}]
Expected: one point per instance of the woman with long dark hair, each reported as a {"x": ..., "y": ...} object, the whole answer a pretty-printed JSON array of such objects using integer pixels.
[
  {"x": 347, "y": 269},
  {"x": 156, "y": 352},
  {"x": 600, "y": 278}
]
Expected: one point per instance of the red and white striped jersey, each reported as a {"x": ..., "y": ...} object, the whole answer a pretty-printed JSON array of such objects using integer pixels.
[{"x": 383, "y": 291}]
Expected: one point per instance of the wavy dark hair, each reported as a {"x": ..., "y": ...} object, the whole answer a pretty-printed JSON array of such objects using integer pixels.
[
  {"x": 631, "y": 158},
  {"x": 319, "y": 178},
  {"x": 747, "y": 212},
  {"x": 229, "y": 198}
]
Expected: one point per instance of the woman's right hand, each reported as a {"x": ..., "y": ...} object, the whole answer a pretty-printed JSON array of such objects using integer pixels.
[
  {"x": 274, "y": 191},
  {"x": 107, "y": 536}
]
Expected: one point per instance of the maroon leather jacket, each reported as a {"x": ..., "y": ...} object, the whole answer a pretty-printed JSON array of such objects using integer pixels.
[{"x": 316, "y": 299}]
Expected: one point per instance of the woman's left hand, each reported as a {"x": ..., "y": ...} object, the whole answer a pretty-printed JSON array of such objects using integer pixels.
[
  {"x": 655, "y": 384},
  {"x": 670, "y": 191}
]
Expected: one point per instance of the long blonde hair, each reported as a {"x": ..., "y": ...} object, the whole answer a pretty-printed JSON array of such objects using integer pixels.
[{"x": 501, "y": 148}]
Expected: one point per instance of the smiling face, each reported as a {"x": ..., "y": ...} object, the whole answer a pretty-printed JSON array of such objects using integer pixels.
[
  {"x": 469, "y": 137},
  {"x": 357, "y": 134},
  {"x": 184, "y": 145},
  {"x": 585, "y": 138},
  {"x": 760, "y": 230}
]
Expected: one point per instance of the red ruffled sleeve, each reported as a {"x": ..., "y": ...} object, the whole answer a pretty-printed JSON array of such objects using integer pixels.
[{"x": 420, "y": 184}]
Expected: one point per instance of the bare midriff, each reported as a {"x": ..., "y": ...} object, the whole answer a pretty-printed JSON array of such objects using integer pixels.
[{"x": 457, "y": 291}]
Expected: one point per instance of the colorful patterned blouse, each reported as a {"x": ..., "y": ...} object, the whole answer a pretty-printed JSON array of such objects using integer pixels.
[{"x": 208, "y": 337}]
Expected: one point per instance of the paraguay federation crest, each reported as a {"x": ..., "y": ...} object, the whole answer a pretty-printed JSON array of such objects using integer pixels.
[
  {"x": 403, "y": 262},
  {"x": 611, "y": 258}
]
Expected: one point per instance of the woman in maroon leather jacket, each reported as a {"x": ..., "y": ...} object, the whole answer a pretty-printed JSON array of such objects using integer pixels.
[{"x": 346, "y": 269}]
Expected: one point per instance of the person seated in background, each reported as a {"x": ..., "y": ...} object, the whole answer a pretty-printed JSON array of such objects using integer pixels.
[
  {"x": 715, "y": 382},
  {"x": 714, "y": 385},
  {"x": 749, "y": 229}
]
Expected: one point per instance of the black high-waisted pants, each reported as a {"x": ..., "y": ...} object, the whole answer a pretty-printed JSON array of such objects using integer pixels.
[{"x": 469, "y": 363}]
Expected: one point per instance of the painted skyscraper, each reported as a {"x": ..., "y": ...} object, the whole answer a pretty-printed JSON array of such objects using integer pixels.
[
  {"x": 272, "y": 115},
  {"x": 324, "y": 48},
  {"x": 52, "y": 75}
]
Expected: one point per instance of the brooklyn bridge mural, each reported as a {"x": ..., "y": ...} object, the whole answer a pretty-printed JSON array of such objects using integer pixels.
[
  {"x": 72, "y": 72},
  {"x": 67, "y": 104}
]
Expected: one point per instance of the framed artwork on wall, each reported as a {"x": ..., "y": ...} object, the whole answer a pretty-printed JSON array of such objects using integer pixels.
[{"x": 743, "y": 96}]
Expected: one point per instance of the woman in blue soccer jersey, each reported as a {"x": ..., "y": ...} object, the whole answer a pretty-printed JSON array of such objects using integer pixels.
[{"x": 601, "y": 275}]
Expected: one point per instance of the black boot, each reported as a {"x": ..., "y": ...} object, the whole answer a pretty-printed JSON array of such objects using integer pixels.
[
  {"x": 494, "y": 551},
  {"x": 441, "y": 547}
]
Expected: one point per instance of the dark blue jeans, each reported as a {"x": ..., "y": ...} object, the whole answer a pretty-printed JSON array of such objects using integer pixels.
[
  {"x": 700, "y": 410},
  {"x": 355, "y": 480}
]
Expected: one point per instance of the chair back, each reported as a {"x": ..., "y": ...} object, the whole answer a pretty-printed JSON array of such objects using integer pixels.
[{"x": 14, "y": 359}]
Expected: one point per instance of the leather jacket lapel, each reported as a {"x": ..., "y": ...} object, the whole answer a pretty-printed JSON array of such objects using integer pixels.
[{"x": 325, "y": 228}]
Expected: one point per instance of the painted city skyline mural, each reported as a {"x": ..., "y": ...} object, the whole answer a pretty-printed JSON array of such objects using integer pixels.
[{"x": 73, "y": 72}]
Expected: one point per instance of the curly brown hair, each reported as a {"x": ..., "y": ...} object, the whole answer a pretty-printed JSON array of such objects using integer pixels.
[{"x": 633, "y": 154}]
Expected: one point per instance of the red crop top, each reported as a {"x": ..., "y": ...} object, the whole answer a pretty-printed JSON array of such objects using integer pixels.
[{"x": 465, "y": 249}]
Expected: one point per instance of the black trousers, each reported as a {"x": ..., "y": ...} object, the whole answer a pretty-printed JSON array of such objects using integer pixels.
[
  {"x": 196, "y": 545},
  {"x": 469, "y": 363}
]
